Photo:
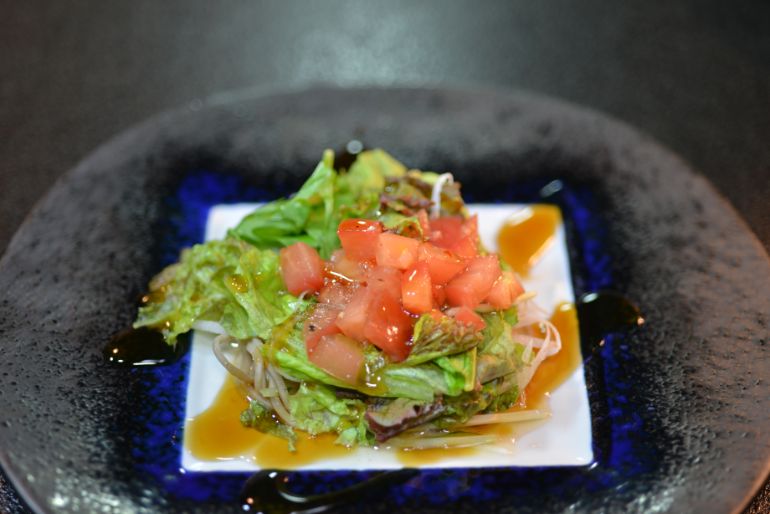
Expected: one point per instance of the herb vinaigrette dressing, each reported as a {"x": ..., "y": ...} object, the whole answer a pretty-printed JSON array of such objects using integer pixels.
[{"x": 217, "y": 433}]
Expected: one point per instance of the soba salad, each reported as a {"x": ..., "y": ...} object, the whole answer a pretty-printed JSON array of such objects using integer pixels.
[{"x": 365, "y": 306}]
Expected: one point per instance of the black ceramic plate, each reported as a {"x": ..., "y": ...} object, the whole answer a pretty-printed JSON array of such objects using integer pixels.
[{"x": 681, "y": 407}]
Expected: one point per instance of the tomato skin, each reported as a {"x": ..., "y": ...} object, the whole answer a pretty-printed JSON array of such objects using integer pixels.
[
  {"x": 396, "y": 251},
  {"x": 468, "y": 317},
  {"x": 340, "y": 356},
  {"x": 320, "y": 323},
  {"x": 388, "y": 326},
  {"x": 359, "y": 238},
  {"x": 416, "y": 289},
  {"x": 473, "y": 285},
  {"x": 301, "y": 268},
  {"x": 443, "y": 265},
  {"x": 504, "y": 291}
]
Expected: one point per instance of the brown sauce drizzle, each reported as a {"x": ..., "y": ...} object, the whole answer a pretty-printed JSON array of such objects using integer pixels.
[{"x": 143, "y": 347}]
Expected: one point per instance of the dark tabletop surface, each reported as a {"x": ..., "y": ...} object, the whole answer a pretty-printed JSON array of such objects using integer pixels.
[{"x": 693, "y": 74}]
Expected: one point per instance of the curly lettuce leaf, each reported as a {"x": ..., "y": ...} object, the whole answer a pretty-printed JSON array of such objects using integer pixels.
[
  {"x": 257, "y": 417},
  {"x": 432, "y": 339},
  {"x": 308, "y": 216},
  {"x": 229, "y": 281},
  {"x": 316, "y": 410},
  {"x": 461, "y": 367},
  {"x": 313, "y": 214},
  {"x": 499, "y": 354}
]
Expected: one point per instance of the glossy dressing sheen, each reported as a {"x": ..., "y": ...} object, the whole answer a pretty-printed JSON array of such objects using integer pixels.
[
  {"x": 217, "y": 434},
  {"x": 526, "y": 235}
]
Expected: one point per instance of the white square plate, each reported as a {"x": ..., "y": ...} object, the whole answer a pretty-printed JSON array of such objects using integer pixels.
[{"x": 563, "y": 440}]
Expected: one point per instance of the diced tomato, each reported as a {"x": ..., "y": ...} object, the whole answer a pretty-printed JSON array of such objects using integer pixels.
[
  {"x": 359, "y": 238},
  {"x": 342, "y": 267},
  {"x": 439, "y": 294},
  {"x": 352, "y": 320},
  {"x": 388, "y": 327},
  {"x": 422, "y": 217},
  {"x": 442, "y": 264},
  {"x": 301, "y": 268},
  {"x": 470, "y": 228},
  {"x": 517, "y": 288},
  {"x": 504, "y": 291},
  {"x": 472, "y": 286},
  {"x": 454, "y": 233},
  {"x": 465, "y": 247},
  {"x": 340, "y": 356},
  {"x": 396, "y": 251},
  {"x": 321, "y": 322},
  {"x": 446, "y": 230},
  {"x": 336, "y": 293},
  {"x": 416, "y": 290},
  {"x": 382, "y": 279},
  {"x": 467, "y": 316}
]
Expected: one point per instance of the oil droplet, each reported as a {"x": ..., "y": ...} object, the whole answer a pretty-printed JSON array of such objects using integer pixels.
[
  {"x": 527, "y": 234},
  {"x": 238, "y": 283}
]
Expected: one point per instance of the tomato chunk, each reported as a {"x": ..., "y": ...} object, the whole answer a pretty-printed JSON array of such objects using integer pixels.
[
  {"x": 454, "y": 233},
  {"x": 336, "y": 293},
  {"x": 359, "y": 238},
  {"x": 416, "y": 289},
  {"x": 465, "y": 247},
  {"x": 385, "y": 280},
  {"x": 301, "y": 268},
  {"x": 340, "y": 356},
  {"x": 340, "y": 266},
  {"x": 472, "y": 286},
  {"x": 446, "y": 230},
  {"x": 396, "y": 251},
  {"x": 468, "y": 317},
  {"x": 504, "y": 291},
  {"x": 443, "y": 265},
  {"x": 439, "y": 294},
  {"x": 321, "y": 322},
  {"x": 352, "y": 320},
  {"x": 388, "y": 327}
]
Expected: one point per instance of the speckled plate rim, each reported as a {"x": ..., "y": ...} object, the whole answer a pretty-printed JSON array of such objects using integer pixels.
[{"x": 165, "y": 123}]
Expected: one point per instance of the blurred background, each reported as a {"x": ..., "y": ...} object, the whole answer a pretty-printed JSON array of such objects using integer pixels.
[{"x": 693, "y": 74}]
